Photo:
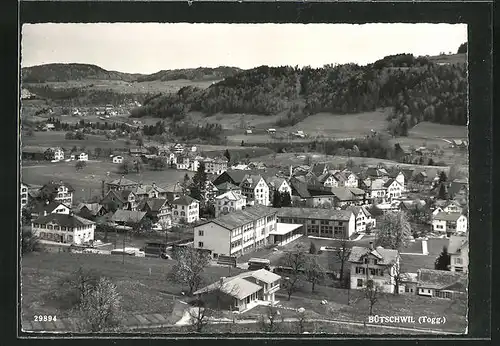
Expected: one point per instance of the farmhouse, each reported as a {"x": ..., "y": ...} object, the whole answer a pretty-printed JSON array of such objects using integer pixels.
[
  {"x": 449, "y": 223},
  {"x": 374, "y": 172},
  {"x": 215, "y": 166},
  {"x": 121, "y": 184},
  {"x": 46, "y": 208},
  {"x": 345, "y": 196},
  {"x": 119, "y": 199},
  {"x": 377, "y": 265},
  {"x": 61, "y": 192},
  {"x": 185, "y": 209},
  {"x": 82, "y": 157},
  {"x": 400, "y": 177},
  {"x": 278, "y": 184},
  {"x": 458, "y": 188},
  {"x": 255, "y": 189},
  {"x": 150, "y": 191},
  {"x": 447, "y": 207},
  {"x": 458, "y": 248},
  {"x": 375, "y": 188},
  {"x": 127, "y": 217},
  {"x": 393, "y": 189},
  {"x": 183, "y": 162},
  {"x": 63, "y": 228},
  {"x": 157, "y": 209},
  {"x": 229, "y": 202},
  {"x": 364, "y": 219},
  {"x": 178, "y": 148},
  {"x": 90, "y": 210},
  {"x": 241, "y": 292},
  {"x": 325, "y": 223},
  {"x": 329, "y": 180},
  {"x": 236, "y": 233},
  {"x": 117, "y": 159},
  {"x": 441, "y": 283},
  {"x": 42, "y": 153},
  {"x": 351, "y": 179}
]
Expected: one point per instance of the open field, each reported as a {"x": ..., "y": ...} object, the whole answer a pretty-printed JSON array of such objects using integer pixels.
[
  {"x": 141, "y": 292},
  {"x": 432, "y": 130},
  {"x": 126, "y": 87},
  {"x": 87, "y": 182},
  {"x": 239, "y": 122},
  {"x": 56, "y": 139},
  {"x": 449, "y": 58}
]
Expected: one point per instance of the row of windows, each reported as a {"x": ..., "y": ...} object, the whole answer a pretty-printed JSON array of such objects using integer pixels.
[
  {"x": 371, "y": 271},
  {"x": 57, "y": 228}
]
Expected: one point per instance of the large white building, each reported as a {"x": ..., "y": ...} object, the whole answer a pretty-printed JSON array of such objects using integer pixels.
[
  {"x": 449, "y": 223},
  {"x": 228, "y": 202},
  {"x": 185, "y": 209},
  {"x": 256, "y": 190},
  {"x": 63, "y": 228},
  {"x": 215, "y": 166},
  {"x": 62, "y": 192},
  {"x": 237, "y": 233}
]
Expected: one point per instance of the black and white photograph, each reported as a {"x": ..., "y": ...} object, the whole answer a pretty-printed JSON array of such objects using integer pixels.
[{"x": 196, "y": 178}]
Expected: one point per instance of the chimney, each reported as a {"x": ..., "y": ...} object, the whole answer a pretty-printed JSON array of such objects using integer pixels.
[
  {"x": 154, "y": 184},
  {"x": 371, "y": 245},
  {"x": 425, "y": 250}
]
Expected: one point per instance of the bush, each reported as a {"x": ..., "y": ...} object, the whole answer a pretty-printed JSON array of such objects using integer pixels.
[{"x": 312, "y": 249}]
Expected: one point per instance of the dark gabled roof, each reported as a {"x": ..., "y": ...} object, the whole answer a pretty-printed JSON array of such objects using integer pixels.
[
  {"x": 342, "y": 193},
  {"x": 184, "y": 200},
  {"x": 456, "y": 187},
  {"x": 389, "y": 182},
  {"x": 252, "y": 180},
  {"x": 93, "y": 208},
  {"x": 49, "y": 208},
  {"x": 299, "y": 188},
  {"x": 52, "y": 187},
  {"x": 154, "y": 204},
  {"x": 357, "y": 209},
  {"x": 340, "y": 176},
  {"x": 63, "y": 220},
  {"x": 324, "y": 177},
  {"x": 440, "y": 279},
  {"x": 274, "y": 182},
  {"x": 236, "y": 175},
  {"x": 319, "y": 168},
  {"x": 145, "y": 189},
  {"x": 385, "y": 256},
  {"x": 172, "y": 195},
  {"x": 227, "y": 186},
  {"x": 122, "y": 182},
  {"x": 128, "y": 216},
  {"x": 242, "y": 217},
  {"x": 315, "y": 213},
  {"x": 443, "y": 216}
]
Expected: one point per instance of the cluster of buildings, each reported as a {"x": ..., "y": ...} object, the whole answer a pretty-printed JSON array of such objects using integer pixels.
[{"x": 51, "y": 154}]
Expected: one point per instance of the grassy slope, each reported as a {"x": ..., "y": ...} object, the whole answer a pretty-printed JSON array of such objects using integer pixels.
[{"x": 56, "y": 139}]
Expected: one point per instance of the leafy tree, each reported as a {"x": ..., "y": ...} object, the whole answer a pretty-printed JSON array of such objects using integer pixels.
[
  {"x": 462, "y": 48},
  {"x": 190, "y": 267},
  {"x": 394, "y": 230},
  {"x": 442, "y": 177},
  {"x": 315, "y": 274},
  {"x": 199, "y": 318},
  {"x": 138, "y": 168},
  {"x": 79, "y": 165},
  {"x": 125, "y": 167},
  {"x": 312, "y": 249},
  {"x": 442, "y": 193},
  {"x": 29, "y": 242},
  {"x": 270, "y": 322},
  {"x": 99, "y": 310},
  {"x": 286, "y": 199},
  {"x": 97, "y": 152},
  {"x": 49, "y": 154},
  {"x": 276, "y": 202},
  {"x": 227, "y": 155},
  {"x": 198, "y": 185},
  {"x": 443, "y": 261},
  {"x": 185, "y": 184},
  {"x": 158, "y": 163}
]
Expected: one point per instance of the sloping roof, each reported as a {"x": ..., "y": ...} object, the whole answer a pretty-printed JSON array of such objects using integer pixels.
[
  {"x": 184, "y": 200},
  {"x": 236, "y": 287},
  {"x": 236, "y": 175},
  {"x": 93, "y": 208},
  {"x": 439, "y": 279},
  {"x": 324, "y": 177},
  {"x": 50, "y": 207},
  {"x": 242, "y": 217},
  {"x": 357, "y": 209},
  {"x": 299, "y": 188},
  {"x": 262, "y": 275},
  {"x": 53, "y": 187},
  {"x": 128, "y": 216},
  {"x": 231, "y": 195},
  {"x": 122, "y": 182},
  {"x": 340, "y": 176},
  {"x": 227, "y": 186},
  {"x": 455, "y": 187},
  {"x": 252, "y": 181},
  {"x": 275, "y": 182},
  {"x": 154, "y": 204},
  {"x": 389, "y": 182},
  {"x": 145, "y": 189},
  {"x": 377, "y": 184},
  {"x": 314, "y": 213},
  {"x": 443, "y": 216},
  {"x": 119, "y": 195},
  {"x": 342, "y": 193},
  {"x": 457, "y": 243},
  {"x": 318, "y": 168},
  {"x": 385, "y": 256},
  {"x": 64, "y": 220}
]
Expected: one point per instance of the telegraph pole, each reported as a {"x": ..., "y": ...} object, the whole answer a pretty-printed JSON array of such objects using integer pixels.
[{"x": 123, "y": 252}]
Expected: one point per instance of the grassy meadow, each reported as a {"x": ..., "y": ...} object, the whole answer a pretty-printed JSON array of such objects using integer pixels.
[{"x": 56, "y": 139}]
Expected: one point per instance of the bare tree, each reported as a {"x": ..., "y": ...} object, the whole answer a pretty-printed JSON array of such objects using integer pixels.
[
  {"x": 189, "y": 268},
  {"x": 372, "y": 293},
  {"x": 99, "y": 310},
  {"x": 80, "y": 283},
  {"x": 199, "y": 318},
  {"x": 342, "y": 255},
  {"x": 394, "y": 230},
  {"x": 395, "y": 274},
  {"x": 270, "y": 323},
  {"x": 301, "y": 320},
  {"x": 315, "y": 273},
  {"x": 295, "y": 261}
]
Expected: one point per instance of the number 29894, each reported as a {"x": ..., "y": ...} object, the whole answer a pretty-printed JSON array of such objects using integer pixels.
[{"x": 44, "y": 318}]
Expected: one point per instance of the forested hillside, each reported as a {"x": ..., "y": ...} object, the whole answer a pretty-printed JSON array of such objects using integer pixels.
[
  {"x": 416, "y": 88},
  {"x": 194, "y": 74}
]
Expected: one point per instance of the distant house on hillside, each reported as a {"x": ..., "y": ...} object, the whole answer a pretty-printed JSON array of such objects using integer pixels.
[{"x": 118, "y": 159}]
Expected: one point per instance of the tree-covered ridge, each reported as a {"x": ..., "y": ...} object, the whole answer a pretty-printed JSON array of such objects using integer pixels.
[
  {"x": 72, "y": 72},
  {"x": 417, "y": 89}
]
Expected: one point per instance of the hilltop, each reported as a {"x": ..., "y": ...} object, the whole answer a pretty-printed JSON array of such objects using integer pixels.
[
  {"x": 416, "y": 88},
  {"x": 75, "y": 72}
]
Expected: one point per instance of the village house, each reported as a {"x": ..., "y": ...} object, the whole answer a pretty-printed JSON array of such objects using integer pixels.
[
  {"x": 42, "y": 153},
  {"x": 324, "y": 223},
  {"x": 23, "y": 195},
  {"x": 449, "y": 223},
  {"x": 178, "y": 148},
  {"x": 157, "y": 209},
  {"x": 136, "y": 152},
  {"x": 255, "y": 189},
  {"x": 378, "y": 265},
  {"x": 127, "y": 218},
  {"x": 399, "y": 176},
  {"x": 278, "y": 184},
  {"x": 185, "y": 209},
  {"x": 375, "y": 172},
  {"x": 441, "y": 283},
  {"x": 393, "y": 189},
  {"x": 447, "y": 207},
  {"x": 236, "y": 233},
  {"x": 458, "y": 248},
  {"x": 63, "y": 228},
  {"x": 45, "y": 208},
  {"x": 376, "y": 188},
  {"x": 215, "y": 166},
  {"x": 61, "y": 192},
  {"x": 348, "y": 196},
  {"x": 225, "y": 187},
  {"x": 458, "y": 188},
  {"x": 300, "y": 193},
  {"x": 119, "y": 199},
  {"x": 90, "y": 211},
  {"x": 351, "y": 179},
  {"x": 320, "y": 169},
  {"x": 183, "y": 162},
  {"x": 170, "y": 157},
  {"x": 82, "y": 157},
  {"x": 229, "y": 202},
  {"x": 241, "y": 292},
  {"x": 117, "y": 159},
  {"x": 329, "y": 180},
  {"x": 121, "y": 184},
  {"x": 364, "y": 219},
  {"x": 149, "y": 191},
  {"x": 233, "y": 176}
]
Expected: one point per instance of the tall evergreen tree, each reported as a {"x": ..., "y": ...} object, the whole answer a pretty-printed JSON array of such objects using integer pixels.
[
  {"x": 197, "y": 187},
  {"x": 443, "y": 261}
]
